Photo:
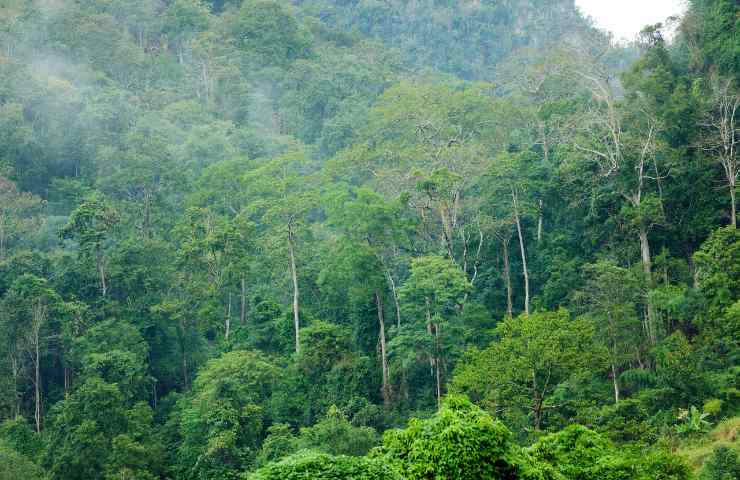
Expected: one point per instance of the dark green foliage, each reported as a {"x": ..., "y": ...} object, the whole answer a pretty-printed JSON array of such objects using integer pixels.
[
  {"x": 249, "y": 238},
  {"x": 14, "y": 466},
  {"x": 223, "y": 419},
  {"x": 95, "y": 432},
  {"x": 724, "y": 464}
]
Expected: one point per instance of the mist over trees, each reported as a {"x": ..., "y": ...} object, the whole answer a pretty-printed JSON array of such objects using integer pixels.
[{"x": 363, "y": 239}]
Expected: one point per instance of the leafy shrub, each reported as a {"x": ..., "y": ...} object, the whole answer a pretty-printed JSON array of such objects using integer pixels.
[
  {"x": 461, "y": 442},
  {"x": 578, "y": 453},
  {"x": 319, "y": 466},
  {"x": 692, "y": 421}
]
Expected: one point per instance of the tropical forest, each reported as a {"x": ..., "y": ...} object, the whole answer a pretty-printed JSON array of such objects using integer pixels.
[{"x": 367, "y": 240}]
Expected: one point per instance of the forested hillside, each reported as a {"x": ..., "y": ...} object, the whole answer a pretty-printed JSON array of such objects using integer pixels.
[{"x": 367, "y": 239}]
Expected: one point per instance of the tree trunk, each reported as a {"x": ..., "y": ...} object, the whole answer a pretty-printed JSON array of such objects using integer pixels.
[
  {"x": 616, "y": 384},
  {"x": 37, "y": 388},
  {"x": 294, "y": 276},
  {"x": 392, "y": 284},
  {"x": 429, "y": 331},
  {"x": 184, "y": 354},
  {"x": 243, "y": 311},
  {"x": 733, "y": 209},
  {"x": 2, "y": 240},
  {"x": 647, "y": 269},
  {"x": 15, "y": 369},
  {"x": 539, "y": 221},
  {"x": 507, "y": 279},
  {"x": 101, "y": 272},
  {"x": 437, "y": 364},
  {"x": 227, "y": 327},
  {"x": 439, "y": 374},
  {"x": 383, "y": 351},
  {"x": 148, "y": 215},
  {"x": 537, "y": 416},
  {"x": 525, "y": 270},
  {"x": 39, "y": 317}
]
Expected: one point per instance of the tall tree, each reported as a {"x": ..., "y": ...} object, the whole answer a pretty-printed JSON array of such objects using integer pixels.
[{"x": 90, "y": 225}]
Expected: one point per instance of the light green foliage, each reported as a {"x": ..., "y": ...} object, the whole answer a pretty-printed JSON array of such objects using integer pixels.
[
  {"x": 319, "y": 466},
  {"x": 436, "y": 285},
  {"x": 18, "y": 212},
  {"x": 461, "y": 441},
  {"x": 336, "y": 436},
  {"x": 580, "y": 453},
  {"x": 333, "y": 435},
  {"x": 692, "y": 421}
]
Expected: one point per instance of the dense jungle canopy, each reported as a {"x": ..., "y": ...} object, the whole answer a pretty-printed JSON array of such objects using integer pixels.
[{"x": 367, "y": 239}]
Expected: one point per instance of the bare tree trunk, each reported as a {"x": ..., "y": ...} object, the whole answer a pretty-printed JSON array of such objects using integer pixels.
[
  {"x": 383, "y": 352},
  {"x": 437, "y": 364},
  {"x": 429, "y": 331},
  {"x": 694, "y": 272},
  {"x": 647, "y": 270},
  {"x": 184, "y": 354},
  {"x": 733, "y": 209},
  {"x": 147, "y": 215},
  {"x": 39, "y": 317},
  {"x": 2, "y": 240},
  {"x": 228, "y": 319},
  {"x": 15, "y": 369},
  {"x": 507, "y": 279},
  {"x": 101, "y": 272},
  {"x": 525, "y": 270},
  {"x": 539, "y": 220},
  {"x": 392, "y": 284},
  {"x": 294, "y": 276},
  {"x": 616, "y": 384},
  {"x": 37, "y": 387},
  {"x": 243, "y": 311}
]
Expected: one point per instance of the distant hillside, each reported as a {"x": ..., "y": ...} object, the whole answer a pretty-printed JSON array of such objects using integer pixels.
[{"x": 467, "y": 38}]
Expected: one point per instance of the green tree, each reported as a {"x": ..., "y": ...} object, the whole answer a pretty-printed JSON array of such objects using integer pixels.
[
  {"x": 90, "y": 225},
  {"x": 32, "y": 305},
  {"x": 17, "y": 466},
  {"x": 269, "y": 33},
  {"x": 611, "y": 295},
  {"x": 461, "y": 441},
  {"x": 433, "y": 295},
  {"x": 222, "y": 422},
  {"x": 580, "y": 453},
  {"x": 520, "y": 372},
  {"x": 17, "y": 214},
  {"x": 722, "y": 465},
  {"x": 91, "y": 429},
  {"x": 279, "y": 203}
]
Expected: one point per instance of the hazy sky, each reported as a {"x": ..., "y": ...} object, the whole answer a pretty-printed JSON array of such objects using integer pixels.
[{"x": 625, "y": 18}]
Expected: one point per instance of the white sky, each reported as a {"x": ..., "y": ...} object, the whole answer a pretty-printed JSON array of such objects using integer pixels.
[{"x": 625, "y": 18}]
